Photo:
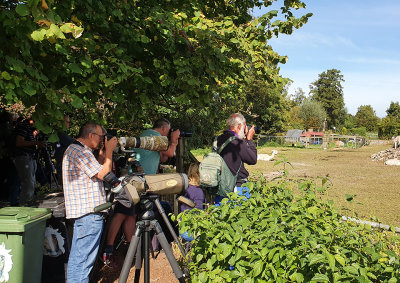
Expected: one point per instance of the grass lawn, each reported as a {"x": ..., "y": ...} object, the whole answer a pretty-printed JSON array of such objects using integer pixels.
[{"x": 350, "y": 171}]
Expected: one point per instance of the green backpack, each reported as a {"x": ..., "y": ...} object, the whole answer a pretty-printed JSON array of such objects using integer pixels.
[{"x": 215, "y": 175}]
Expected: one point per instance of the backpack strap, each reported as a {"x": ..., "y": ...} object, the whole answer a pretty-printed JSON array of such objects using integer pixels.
[
  {"x": 224, "y": 144},
  {"x": 222, "y": 148}
]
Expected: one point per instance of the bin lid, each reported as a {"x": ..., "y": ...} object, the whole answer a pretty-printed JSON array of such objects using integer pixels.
[{"x": 19, "y": 219}]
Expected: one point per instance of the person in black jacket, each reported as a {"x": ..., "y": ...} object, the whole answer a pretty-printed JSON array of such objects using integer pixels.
[{"x": 239, "y": 151}]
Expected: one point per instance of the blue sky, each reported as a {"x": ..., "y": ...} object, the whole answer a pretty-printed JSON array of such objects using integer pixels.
[{"x": 361, "y": 38}]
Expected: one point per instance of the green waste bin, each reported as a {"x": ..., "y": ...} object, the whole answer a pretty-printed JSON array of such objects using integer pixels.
[{"x": 21, "y": 243}]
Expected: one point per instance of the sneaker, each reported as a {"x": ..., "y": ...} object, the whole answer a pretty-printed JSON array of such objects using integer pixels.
[{"x": 109, "y": 260}]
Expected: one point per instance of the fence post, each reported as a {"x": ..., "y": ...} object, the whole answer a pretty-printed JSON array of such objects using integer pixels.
[{"x": 180, "y": 166}]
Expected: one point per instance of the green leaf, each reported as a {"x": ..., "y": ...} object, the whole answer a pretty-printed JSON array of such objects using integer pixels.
[
  {"x": 75, "y": 68},
  {"x": 67, "y": 28},
  {"x": 6, "y": 75},
  {"x": 349, "y": 198},
  {"x": 76, "y": 102},
  {"x": 258, "y": 268},
  {"x": 82, "y": 89},
  {"x": 38, "y": 35},
  {"x": 316, "y": 258},
  {"x": 28, "y": 89},
  {"x": 331, "y": 260},
  {"x": 22, "y": 10},
  {"x": 298, "y": 277},
  {"x": 56, "y": 31},
  {"x": 320, "y": 278},
  {"x": 340, "y": 259}
]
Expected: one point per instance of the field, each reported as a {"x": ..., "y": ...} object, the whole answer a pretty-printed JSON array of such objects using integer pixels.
[{"x": 351, "y": 172}]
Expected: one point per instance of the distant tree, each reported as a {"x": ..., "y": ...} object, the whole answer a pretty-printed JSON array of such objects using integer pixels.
[
  {"x": 350, "y": 121},
  {"x": 293, "y": 121},
  {"x": 390, "y": 125},
  {"x": 312, "y": 113},
  {"x": 366, "y": 117},
  {"x": 298, "y": 97},
  {"x": 328, "y": 90},
  {"x": 394, "y": 110}
]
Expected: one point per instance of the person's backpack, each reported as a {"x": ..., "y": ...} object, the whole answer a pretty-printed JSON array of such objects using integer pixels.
[{"x": 215, "y": 175}]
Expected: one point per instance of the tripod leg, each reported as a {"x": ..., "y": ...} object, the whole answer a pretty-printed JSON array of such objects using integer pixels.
[
  {"x": 168, "y": 252},
  {"x": 171, "y": 230},
  {"x": 138, "y": 261},
  {"x": 146, "y": 253},
  {"x": 133, "y": 246}
]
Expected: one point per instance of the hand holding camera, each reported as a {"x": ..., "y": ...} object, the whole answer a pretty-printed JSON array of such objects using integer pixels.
[
  {"x": 175, "y": 134},
  {"x": 110, "y": 142}
]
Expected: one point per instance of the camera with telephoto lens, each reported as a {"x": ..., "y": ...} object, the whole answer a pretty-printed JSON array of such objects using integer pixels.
[
  {"x": 257, "y": 129},
  {"x": 182, "y": 134},
  {"x": 107, "y": 137}
]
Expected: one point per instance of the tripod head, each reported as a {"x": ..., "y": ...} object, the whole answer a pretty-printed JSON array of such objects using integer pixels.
[{"x": 146, "y": 205}]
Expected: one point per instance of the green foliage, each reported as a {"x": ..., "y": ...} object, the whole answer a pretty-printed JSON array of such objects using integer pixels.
[
  {"x": 350, "y": 121},
  {"x": 328, "y": 90},
  {"x": 281, "y": 236},
  {"x": 298, "y": 97},
  {"x": 366, "y": 117},
  {"x": 126, "y": 63},
  {"x": 361, "y": 131},
  {"x": 389, "y": 127},
  {"x": 312, "y": 113},
  {"x": 394, "y": 110}
]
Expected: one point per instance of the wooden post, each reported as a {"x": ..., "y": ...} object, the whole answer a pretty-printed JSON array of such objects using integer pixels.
[{"x": 180, "y": 166}]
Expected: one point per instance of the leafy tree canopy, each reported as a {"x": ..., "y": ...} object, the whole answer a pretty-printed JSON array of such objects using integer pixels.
[
  {"x": 366, "y": 117},
  {"x": 312, "y": 114},
  {"x": 328, "y": 90},
  {"x": 124, "y": 61},
  {"x": 394, "y": 110}
]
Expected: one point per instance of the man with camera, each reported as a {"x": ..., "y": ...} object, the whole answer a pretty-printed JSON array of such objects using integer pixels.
[
  {"x": 83, "y": 191},
  {"x": 239, "y": 151},
  {"x": 24, "y": 157},
  {"x": 150, "y": 160}
]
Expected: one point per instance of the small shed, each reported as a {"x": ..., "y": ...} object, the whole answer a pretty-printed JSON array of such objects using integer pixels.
[
  {"x": 293, "y": 136},
  {"x": 312, "y": 137}
]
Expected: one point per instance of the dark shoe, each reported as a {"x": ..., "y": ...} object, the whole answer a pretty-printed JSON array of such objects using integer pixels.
[{"x": 109, "y": 260}]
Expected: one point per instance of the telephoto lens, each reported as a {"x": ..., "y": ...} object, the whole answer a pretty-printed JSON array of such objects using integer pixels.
[{"x": 153, "y": 143}]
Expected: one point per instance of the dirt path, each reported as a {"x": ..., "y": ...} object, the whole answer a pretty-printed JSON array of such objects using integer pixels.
[{"x": 160, "y": 270}]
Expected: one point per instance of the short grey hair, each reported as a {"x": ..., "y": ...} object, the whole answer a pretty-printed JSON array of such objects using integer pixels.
[
  {"x": 87, "y": 128},
  {"x": 235, "y": 119}
]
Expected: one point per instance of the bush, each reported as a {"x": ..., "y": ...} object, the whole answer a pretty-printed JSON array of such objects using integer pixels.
[{"x": 280, "y": 236}]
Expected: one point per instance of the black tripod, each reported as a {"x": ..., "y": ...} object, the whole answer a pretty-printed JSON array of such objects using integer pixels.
[
  {"x": 47, "y": 167},
  {"x": 140, "y": 243}
]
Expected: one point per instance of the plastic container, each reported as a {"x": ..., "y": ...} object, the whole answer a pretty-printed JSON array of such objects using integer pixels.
[
  {"x": 21, "y": 243},
  {"x": 57, "y": 240}
]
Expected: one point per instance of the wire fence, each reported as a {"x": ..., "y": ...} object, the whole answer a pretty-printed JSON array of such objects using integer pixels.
[{"x": 350, "y": 141}]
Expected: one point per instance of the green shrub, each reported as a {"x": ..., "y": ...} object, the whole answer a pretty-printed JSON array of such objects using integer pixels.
[{"x": 281, "y": 236}]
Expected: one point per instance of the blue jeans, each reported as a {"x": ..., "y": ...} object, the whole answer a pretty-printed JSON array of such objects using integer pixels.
[
  {"x": 241, "y": 191},
  {"x": 85, "y": 244},
  {"x": 186, "y": 237}
]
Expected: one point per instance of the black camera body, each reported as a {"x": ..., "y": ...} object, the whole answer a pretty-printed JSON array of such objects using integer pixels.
[
  {"x": 182, "y": 134},
  {"x": 257, "y": 129},
  {"x": 108, "y": 136}
]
